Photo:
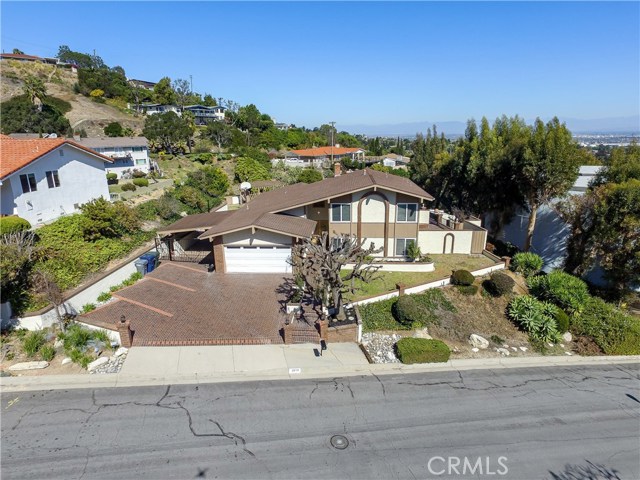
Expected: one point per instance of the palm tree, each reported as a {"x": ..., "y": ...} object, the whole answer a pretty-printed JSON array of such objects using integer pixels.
[{"x": 34, "y": 88}]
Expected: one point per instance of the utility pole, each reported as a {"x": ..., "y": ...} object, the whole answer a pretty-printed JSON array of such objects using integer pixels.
[
  {"x": 332, "y": 140},
  {"x": 191, "y": 87}
]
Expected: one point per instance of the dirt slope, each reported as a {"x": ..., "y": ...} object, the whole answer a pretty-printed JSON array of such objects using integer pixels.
[{"x": 85, "y": 113}]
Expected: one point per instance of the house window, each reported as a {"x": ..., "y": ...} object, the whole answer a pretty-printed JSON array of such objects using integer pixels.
[
  {"x": 407, "y": 212},
  {"x": 401, "y": 246},
  {"x": 141, "y": 161},
  {"x": 61, "y": 152},
  {"x": 341, "y": 212},
  {"x": 28, "y": 182},
  {"x": 52, "y": 179}
]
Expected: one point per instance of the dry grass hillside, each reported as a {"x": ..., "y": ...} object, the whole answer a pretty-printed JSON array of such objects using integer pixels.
[{"x": 85, "y": 113}]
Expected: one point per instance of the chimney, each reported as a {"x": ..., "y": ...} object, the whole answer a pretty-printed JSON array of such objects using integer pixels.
[{"x": 337, "y": 169}]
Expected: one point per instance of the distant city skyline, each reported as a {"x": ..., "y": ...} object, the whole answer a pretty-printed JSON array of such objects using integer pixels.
[{"x": 360, "y": 63}]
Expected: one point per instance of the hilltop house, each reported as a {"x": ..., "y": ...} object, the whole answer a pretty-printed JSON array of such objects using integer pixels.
[
  {"x": 204, "y": 114},
  {"x": 153, "y": 108},
  {"x": 385, "y": 209},
  {"x": 320, "y": 157},
  {"x": 126, "y": 153},
  {"x": 45, "y": 178}
]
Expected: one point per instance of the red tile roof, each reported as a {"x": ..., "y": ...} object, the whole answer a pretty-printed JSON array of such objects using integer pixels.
[
  {"x": 19, "y": 56},
  {"x": 325, "y": 151},
  {"x": 18, "y": 153}
]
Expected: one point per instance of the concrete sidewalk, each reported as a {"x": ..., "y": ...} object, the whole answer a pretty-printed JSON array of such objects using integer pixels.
[{"x": 146, "y": 366}]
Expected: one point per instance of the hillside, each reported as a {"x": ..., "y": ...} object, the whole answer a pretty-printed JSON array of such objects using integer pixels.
[{"x": 85, "y": 113}]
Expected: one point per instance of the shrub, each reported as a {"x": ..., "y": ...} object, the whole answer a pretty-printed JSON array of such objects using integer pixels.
[
  {"x": 147, "y": 210},
  {"x": 32, "y": 342},
  {"x": 104, "y": 296},
  {"x": 47, "y": 352},
  {"x": 141, "y": 182},
  {"x": 526, "y": 263},
  {"x": 75, "y": 337},
  {"x": 500, "y": 284},
  {"x": 408, "y": 312},
  {"x": 13, "y": 224},
  {"x": 129, "y": 187},
  {"x": 611, "y": 329},
  {"x": 497, "y": 340},
  {"x": 564, "y": 290},
  {"x": 79, "y": 357},
  {"x": 562, "y": 320},
  {"x": 467, "y": 289},
  {"x": 413, "y": 251},
  {"x": 534, "y": 317},
  {"x": 138, "y": 174},
  {"x": 112, "y": 178},
  {"x": 88, "y": 307},
  {"x": 422, "y": 350},
  {"x": 462, "y": 277},
  {"x": 378, "y": 316}
]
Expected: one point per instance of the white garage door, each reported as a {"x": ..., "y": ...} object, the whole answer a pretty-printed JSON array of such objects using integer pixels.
[{"x": 257, "y": 259}]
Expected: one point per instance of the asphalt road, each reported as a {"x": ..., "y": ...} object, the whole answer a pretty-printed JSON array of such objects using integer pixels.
[{"x": 541, "y": 423}]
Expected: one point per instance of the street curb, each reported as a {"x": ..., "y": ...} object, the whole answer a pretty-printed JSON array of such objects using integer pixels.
[{"x": 63, "y": 382}]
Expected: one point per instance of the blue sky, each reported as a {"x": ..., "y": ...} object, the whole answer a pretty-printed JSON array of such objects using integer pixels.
[{"x": 362, "y": 63}]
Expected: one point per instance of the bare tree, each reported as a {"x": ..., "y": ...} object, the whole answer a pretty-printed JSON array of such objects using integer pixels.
[
  {"x": 182, "y": 89},
  {"x": 45, "y": 285},
  {"x": 319, "y": 262}
]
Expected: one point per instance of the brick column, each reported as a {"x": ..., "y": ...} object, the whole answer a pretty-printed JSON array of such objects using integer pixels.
[
  {"x": 288, "y": 330},
  {"x": 507, "y": 262},
  {"x": 218, "y": 255},
  {"x": 323, "y": 327},
  {"x": 400, "y": 287},
  {"x": 126, "y": 335}
]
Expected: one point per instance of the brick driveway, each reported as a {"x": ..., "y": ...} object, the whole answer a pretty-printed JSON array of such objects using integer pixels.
[{"x": 182, "y": 304}]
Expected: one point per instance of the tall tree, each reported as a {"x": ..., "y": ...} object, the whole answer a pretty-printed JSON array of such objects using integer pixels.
[
  {"x": 182, "y": 89},
  {"x": 167, "y": 130},
  {"x": 320, "y": 263},
  {"x": 549, "y": 168},
  {"x": 163, "y": 92},
  {"x": 219, "y": 132}
]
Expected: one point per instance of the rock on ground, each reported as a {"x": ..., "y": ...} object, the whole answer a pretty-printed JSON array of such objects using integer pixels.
[
  {"x": 28, "y": 366},
  {"x": 380, "y": 347},
  {"x": 477, "y": 341}
]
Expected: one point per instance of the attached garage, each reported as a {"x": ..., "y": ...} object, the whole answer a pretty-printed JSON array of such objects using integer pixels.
[{"x": 265, "y": 259}]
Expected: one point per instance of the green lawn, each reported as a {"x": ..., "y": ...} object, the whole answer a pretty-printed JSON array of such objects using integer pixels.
[
  {"x": 161, "y": 184},
  {"x": 444, "y": 264}
]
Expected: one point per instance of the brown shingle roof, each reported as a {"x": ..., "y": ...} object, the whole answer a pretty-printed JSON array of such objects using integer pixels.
[
  {"x": 301, "y": 194},
  {"x": 199, "y": 221},
  {"x": 18, "y": 153}
]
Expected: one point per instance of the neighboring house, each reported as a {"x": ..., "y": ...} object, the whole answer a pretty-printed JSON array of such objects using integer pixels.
[
  {"x": 126, "y": 153},
  {"x": 141, "y": 83},
  {"x": 45, "y": 178},
  {"x": 321, "y": 157},
  {"x": 385, "y": 209},
  {"x": 21, "y": 57},
  {"x": 153, "y": 108},
  {"x": 394, "y": 160},
  {"x": 204, "y": 114},
  {"x": 551, "y": 232}
]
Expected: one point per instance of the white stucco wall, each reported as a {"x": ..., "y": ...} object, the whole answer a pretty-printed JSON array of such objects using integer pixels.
[
  {"x": 139, "y": 159},
  {"x": 373, "y": 206},
  {"x": 259, "y": 238},
  {"x": 432, "y": 241},
  {"x": 82, "y": 178}
]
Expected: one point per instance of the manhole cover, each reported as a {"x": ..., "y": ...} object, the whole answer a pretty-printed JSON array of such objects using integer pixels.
[{"x": 339, "y": 441}]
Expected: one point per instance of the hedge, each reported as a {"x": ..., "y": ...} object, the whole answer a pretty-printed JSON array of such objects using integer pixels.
[
  {"x": 128, "y": 187},
  {"x": 141, "y": 182},
  {"x": 500, "y": 284},
  {"x": 462, "y": 277},
  {"x": 13, "y": 224},
  {"x": 422, "y": 350},
  {"x": 613, "y": 331}
]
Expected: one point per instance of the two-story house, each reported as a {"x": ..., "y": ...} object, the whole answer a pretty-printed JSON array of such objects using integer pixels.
[
  {"x": 126, "y": 153},
  {"x": 204, "y": 114},
  {"x": 320, "y": 157},
  {"x": 385, "y": 209},
  {"x": 42, "y": 179}
]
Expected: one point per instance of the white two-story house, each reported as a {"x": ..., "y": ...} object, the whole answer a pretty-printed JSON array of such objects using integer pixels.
[
  {"x": 42, "y": 179},
  {"x": 126, "y": 153}
]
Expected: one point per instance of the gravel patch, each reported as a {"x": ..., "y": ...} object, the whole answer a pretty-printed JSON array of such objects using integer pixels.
[
  {"x": 380, "y": 347},
  {"x": 112, "y": 366}
]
